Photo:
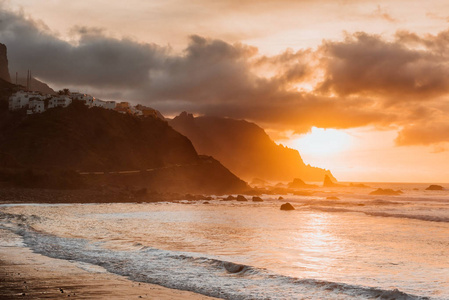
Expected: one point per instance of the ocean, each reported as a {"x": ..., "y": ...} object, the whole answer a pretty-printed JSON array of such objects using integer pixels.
[{"x": 358, "y": 246}]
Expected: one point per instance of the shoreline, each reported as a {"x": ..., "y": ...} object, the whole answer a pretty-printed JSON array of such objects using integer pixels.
[
  {"x": 28, "y": 275},
  {"x": 15, "y": 195}
]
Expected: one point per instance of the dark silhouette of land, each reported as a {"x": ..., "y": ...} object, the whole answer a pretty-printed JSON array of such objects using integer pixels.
[
  {"x": 245, "y": 149},
  {"x": 35, "y": 85},
  {"x": 4, "y": 70},
  {"x": 80, "y": 147},
  {"x": 54, "y": 148}
]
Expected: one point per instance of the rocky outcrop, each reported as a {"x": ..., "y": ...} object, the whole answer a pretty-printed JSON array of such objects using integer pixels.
[
  {"x": 233, "y": 268},
  {"x": 257, "y": 199},
  {"x": 105, "y": 141},
  {"x": 297, "y": 183},
  {"x": 386, "y": 192},
  {"x": 245, "y": 149},
  {"x": 4, "y": 70},
  {"x": 434, "y": 187},
  {"x": 241, "y": 198},
  {"x": 329, "y": 183},
  {"x": 287, "y": 206}
]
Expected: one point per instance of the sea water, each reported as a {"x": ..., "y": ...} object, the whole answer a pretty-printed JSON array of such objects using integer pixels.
[{"x": 356, "y": 247}]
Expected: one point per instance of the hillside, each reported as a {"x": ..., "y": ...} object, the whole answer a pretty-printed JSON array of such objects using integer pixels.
[
  {"x": 36, "y": 85},
  {"x": 245, "y": 149},
  {"x": 6, "y": 90},
  {"x": 96, "y": 139}
]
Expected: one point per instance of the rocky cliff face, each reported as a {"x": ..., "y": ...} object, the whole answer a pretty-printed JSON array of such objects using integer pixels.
[
  {"x": 245, "y": 149},
  {"x": 4, "y": 71},
  {"x": 101, "y": 140}
]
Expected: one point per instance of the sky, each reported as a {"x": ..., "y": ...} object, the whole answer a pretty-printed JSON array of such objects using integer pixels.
[{"x": 358, "y": 87}]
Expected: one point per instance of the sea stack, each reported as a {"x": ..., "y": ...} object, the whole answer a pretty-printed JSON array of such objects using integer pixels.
[
  {"x": 4, "y": 70},
  {"x": 298, "y": 183},
  {"x": 434, "y": 187},
  {"x": 328, "y": 182}
]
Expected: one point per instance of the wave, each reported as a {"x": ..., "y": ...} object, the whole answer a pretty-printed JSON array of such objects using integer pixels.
[
  {"x": 428, "y": 218},
  {"x": 409, "y": 216},
  {"x": 209, "y": 276}
]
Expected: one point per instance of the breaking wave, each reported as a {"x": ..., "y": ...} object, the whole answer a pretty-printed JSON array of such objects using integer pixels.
[
  {"x": 420, "y": 217},
  {"x": 193, "y": 272}
]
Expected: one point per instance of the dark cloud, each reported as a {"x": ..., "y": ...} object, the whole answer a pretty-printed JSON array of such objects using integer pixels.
[
  {"x": 96, "y": 60},
  {"x": 363, "y": 80},
  {"x": 208, "y": 70},
  {"x": 367, "y": 64},
  {"x": 425, "y": 133}
]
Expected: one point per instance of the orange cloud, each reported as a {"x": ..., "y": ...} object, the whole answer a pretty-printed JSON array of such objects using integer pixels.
[{"x": 359, "y": 81}]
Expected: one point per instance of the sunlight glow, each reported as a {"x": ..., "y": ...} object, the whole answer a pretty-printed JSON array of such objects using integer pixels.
[{"x": 322, "y": 142}]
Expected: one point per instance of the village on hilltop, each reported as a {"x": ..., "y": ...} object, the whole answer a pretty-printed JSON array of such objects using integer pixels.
[{"x": 35, "y": 102}]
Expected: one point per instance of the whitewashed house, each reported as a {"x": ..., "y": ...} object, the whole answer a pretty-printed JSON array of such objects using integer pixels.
[
  {"x": 22, "y": 99},
  {"x": 133, "y": 110},
  {"x": 36, "y": 106},
  {"x": 18, "y": 100},
  {"x": 104, "y": 104},
  {"x": 59, "y": 101},
  {"x": 88, "y": 99}
]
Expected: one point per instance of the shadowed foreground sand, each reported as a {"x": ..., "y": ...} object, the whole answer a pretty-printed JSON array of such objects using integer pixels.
[{"x": 27, "y": 275}]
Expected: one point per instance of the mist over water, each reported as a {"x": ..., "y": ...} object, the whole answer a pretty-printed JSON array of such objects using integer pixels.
[{"x": 359, "y": 246}]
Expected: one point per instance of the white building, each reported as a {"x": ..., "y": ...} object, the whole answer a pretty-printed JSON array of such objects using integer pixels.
[
  {"x": 36, "y": 106},
  {"x": 22, "y": 99},
  {"x": 88, "y": 99},
  {"x": 104, "y": 104},
  {"x": 18, "y": 100},
  {"x": 59, "y": 101}
]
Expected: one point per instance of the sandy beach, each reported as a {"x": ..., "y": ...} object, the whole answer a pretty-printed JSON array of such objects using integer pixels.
[{"x": 27, "y": 275}]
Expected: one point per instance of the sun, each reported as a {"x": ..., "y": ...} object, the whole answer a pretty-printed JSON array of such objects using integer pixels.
[{"x": 322, "y": 141}]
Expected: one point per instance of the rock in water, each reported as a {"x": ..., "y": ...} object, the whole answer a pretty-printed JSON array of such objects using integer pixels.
[
  {"x": 434, "y": 187},
  {"x": 329, "y": 183},
  {"x": 388, "y": 192},
  {"x": 297, "y": 183},
  {"x": 4, "y": 70},
  {"x": 287, "y": 206},
  {"x": 233, "y": 268},
  {"x": 257, "y": 199},
  {"x": 241, "y": 198}
]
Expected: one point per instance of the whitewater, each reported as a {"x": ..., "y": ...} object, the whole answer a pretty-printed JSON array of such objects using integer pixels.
[{"x": 339, "y": 243}]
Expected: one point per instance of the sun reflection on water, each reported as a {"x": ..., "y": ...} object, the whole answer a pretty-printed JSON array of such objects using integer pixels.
[{"x": 316, "y": 245}]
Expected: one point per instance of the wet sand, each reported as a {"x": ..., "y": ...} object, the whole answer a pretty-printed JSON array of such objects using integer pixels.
[{"x": 27, "y": 275}]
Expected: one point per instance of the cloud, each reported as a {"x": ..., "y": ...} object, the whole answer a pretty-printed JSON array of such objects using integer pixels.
[
  {"x": 383, "y": 14},
  {"x": 424, "y": 134},
  {"x": 96, "y": 60},
  {"x": 362, "y": 80},
  {"x": 367, "y": 64}
]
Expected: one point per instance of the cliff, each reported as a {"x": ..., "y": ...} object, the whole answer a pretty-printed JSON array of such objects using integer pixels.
[
  {"x": 6, "y": 90},
  {"x": 96, "y": 139},
  {"x": 4, "y": 70},
  {"x": 245, "y": 149}
]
